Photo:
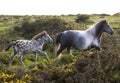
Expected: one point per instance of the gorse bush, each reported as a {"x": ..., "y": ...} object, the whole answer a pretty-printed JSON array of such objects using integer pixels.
[
  {"x": 81, "y": 18},
  {"x": 117, "y": 14},
  {"x": 85, "y": 67},
  {"x": 29, "y": 29}
]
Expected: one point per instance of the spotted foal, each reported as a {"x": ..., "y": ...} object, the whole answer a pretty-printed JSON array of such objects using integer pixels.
[{"x": 34, "y": 46}]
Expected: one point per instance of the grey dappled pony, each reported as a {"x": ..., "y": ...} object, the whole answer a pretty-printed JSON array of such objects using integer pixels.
[
  {"x": 82, "y": 40},
  {"x": 35, "y": 46}
]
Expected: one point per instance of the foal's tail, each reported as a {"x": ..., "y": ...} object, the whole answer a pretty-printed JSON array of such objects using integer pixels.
[
  {"x": 57, "y": 43},
  {"x": 9, "y": 46}
]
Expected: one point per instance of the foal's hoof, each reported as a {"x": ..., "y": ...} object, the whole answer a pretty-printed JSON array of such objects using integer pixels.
[{"x": 48, "y": 60}]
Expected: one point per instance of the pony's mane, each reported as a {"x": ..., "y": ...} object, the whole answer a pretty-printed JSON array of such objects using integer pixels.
[
  {"x": 97, "y": 27},
  {"x": 101, "y": 22},
  {"x": 98, "y": 24},
  {"x": 39, "y": 35}
]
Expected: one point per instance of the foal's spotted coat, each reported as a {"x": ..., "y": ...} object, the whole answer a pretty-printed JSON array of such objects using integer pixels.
[{"x": 34, "y": 46}]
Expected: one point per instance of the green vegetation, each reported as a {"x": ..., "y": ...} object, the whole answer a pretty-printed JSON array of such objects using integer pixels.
[{"x": 85, "y": 67}]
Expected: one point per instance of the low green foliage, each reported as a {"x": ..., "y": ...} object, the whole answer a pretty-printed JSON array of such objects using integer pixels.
[{"x": 85, "y": 67}]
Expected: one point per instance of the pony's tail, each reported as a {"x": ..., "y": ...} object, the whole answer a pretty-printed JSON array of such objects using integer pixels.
[
  {"x": 57, "y": 43},
  {"x": 9, "y": 46}
]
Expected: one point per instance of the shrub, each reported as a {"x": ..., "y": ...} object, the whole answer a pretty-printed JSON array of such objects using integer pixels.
[
  {"x": 81, "y": 18},
  {"x": 29, "y": 29}
]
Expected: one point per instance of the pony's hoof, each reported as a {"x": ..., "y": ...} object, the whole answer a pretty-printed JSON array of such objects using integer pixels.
[{"x": 100, "y": 49}]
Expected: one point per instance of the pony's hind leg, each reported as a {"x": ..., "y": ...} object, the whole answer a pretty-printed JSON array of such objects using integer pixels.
[
  {"x": 59, "y": 51},
  {"x": 69, "y": 51},
  {"x": 12, "y": 57}
]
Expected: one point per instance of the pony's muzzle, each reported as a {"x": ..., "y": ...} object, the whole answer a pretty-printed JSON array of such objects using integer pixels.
[{"x": 112, "y": 32}]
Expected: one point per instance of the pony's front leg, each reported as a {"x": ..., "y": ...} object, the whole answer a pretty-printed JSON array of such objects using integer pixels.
[
  {"x": 97, "y": 47},
  {"x": 96, "y": 44},
  {"x": 20, "y": 58},
  {"x": 44, "y": 53},
  {"x": 69, "y": 51}
]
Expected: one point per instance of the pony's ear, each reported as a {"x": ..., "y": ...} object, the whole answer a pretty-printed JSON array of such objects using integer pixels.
[{"x": 104, "y": 21}]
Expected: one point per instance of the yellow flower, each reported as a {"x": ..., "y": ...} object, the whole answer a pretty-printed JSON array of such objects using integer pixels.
[
  {"x": 20, "y": 81},
  {"x": 27, "y": 76}
]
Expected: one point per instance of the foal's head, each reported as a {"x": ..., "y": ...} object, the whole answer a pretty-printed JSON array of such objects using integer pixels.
[
  {"x": 43, "y": 36},
  {"x": 104, "y": 27}
]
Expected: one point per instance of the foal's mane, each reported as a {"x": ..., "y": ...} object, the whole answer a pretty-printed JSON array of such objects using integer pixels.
[{"x": 39, "y": 35}]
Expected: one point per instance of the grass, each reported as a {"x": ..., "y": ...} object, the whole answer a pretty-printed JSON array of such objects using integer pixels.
[
  {"x": 98, "y": 65},
  {"x": 3, "y": 28}
]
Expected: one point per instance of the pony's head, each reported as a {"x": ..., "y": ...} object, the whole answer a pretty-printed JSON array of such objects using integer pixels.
[
  {"x": 43, "y": 36},
  {"x": 107, "y": 28},
  {"x": 103, "y": 26}
]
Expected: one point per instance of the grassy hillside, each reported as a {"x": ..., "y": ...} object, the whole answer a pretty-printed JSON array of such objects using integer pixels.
[{"x": 85, "y": 67}]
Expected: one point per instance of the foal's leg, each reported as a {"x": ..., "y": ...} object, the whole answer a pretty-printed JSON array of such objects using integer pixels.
[
  {"x": 20, "y": 58},
  {"x": 44, "y": 53},
  {"x": 12, "y": 57},
  {"x": 35, "y": 57}
]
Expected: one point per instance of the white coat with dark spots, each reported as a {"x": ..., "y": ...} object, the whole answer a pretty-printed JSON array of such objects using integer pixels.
[{"x": 34, "y": 46}]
